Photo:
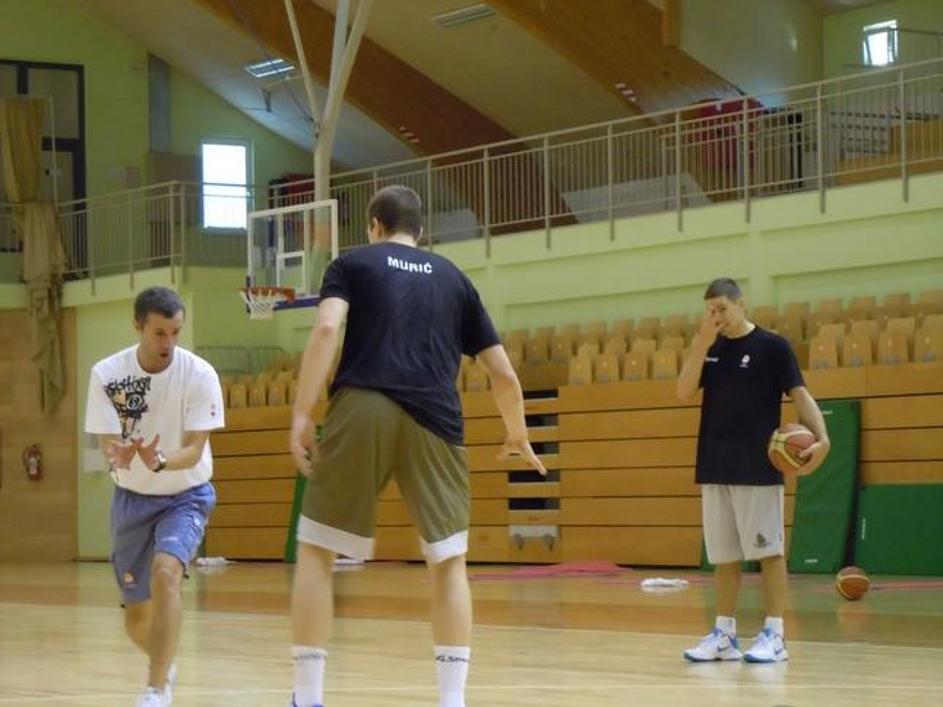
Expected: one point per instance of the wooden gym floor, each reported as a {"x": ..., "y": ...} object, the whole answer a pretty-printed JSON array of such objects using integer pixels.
[{"x": 539, "y": 640}]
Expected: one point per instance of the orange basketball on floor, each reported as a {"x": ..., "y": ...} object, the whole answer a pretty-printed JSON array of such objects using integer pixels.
[
  {"x": 852, "y": 583},
  {"x": 785, "y": 445}
]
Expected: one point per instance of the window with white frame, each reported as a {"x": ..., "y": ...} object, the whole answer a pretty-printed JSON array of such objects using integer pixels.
[
  {"x": 225, "y": 184},
  {"x": 880, "y": 43}
]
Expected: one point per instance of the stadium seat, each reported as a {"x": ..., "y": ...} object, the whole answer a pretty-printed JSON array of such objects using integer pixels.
[
  {"x": 798, "y": 309},
  {"x": 823, "y": 352},
  {"x": 238, "y": 396},
  {"x": 790, "y": 327},
  {"x": 897, "y": 299},
  {"x": 536, "y": 351},
  {"x": 672, "y": 342},
  {"x": 476, "y": 378},
  {"x": 636, "y": 365},
  {"x": 258, "y": 394},
  {"x": 580, "y": 370},
  {"x": 622, "y": 327},
  {"x": 832, "y": 305},
  {"x": 562, "y": 347},
  {"x": 615, "y": 345},
  {"x": 928, "y": 344},
  {"x": 649, "y": 346},
  {"x": 765, "y": 316},
  {"x": 665, "y": 364},
  {"x": 278, "y": 392},
  {"x": 606, "y": 368},
  {"x": 893, "y": 348},
  {"x": 648, "y": 328}
]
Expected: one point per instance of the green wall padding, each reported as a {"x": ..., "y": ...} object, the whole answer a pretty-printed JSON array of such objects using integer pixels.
[
  {"x": 824, "y": 513},
  {"x": 900, "y": 529},
  {"x": 291, "y": 542}
]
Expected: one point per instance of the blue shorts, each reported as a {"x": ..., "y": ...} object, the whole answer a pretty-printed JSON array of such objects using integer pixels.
[{"x": 142, "y": 525}]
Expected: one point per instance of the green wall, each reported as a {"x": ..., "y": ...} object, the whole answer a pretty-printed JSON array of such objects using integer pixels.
[
  {"x": 197, "y": 113},
  {"x": 116, "y": 101},
  {"x": 115, "y": 80},
  {"x": 841, "y": 32},
  {"x": 764, "y": 45}
]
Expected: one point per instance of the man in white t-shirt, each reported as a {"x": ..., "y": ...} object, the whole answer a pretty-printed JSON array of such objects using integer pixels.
[{"x": 153, "y": 406}]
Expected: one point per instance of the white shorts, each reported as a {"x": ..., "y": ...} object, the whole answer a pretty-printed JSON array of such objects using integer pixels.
[{"x": 742, "y": 522}]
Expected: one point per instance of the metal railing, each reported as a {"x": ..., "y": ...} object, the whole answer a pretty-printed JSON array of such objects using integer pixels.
[{"x": 874, "y": 125}]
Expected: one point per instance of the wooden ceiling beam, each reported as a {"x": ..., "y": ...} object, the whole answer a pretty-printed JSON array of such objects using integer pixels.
[
  {"x": 620, "y": 42},
  {"x": 387, "y": 89}
]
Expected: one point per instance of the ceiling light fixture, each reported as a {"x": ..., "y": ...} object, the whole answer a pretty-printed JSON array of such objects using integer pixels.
[
  {"x": 408, "y": 135},
  {"x": 463, "y": 15},
  {"x": 270, "y": 67}
]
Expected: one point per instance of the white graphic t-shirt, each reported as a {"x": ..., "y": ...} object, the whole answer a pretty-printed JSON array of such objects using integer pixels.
[{"x": 126, "y": 400}]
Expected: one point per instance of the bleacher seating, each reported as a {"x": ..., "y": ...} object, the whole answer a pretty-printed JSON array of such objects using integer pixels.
[{"x": 897, "y": 330}]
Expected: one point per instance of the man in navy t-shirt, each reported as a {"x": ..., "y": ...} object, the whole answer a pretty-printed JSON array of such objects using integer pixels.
[
  {"x": 394, "y": 413},
  {"x": 744, "y": 371}
]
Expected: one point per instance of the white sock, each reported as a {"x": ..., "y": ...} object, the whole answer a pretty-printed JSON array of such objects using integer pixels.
[
  {"x": 451, "y": 663},
  {"x": 727, "y": 624},
  {"x": 309, "y": 675},
  {"x": 775, "y": 623}
]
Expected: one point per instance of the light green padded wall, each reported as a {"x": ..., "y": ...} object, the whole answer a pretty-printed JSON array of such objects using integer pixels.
[
  {"x": 116, "y": 86},
  {"x": 197, "y": 114},
  {"x": 869, "y": 242},
  {"x": 115, "y": 80},
  {"x": 841, "y": 32},
  {"x": 763, "y": 47}
]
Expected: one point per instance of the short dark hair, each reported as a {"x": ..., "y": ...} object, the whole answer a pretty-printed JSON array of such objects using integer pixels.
[
  {"x": 724, "y": 287},
  {"x": 398, "y": 208},
  {"x": 159, "y": 300}
]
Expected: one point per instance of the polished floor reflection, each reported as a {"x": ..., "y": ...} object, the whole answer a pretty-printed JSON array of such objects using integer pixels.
[{"x": 591, "y": 639}]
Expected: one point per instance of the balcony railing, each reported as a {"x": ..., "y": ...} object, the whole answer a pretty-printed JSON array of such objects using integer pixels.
[{"x": 880, "y": 124}]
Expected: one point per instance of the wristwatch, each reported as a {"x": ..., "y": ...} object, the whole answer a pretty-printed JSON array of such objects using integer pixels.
[{"x": 161, "y": 461}]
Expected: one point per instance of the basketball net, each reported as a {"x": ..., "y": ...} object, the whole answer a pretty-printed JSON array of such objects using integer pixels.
[{"x": 261, "y": 301}]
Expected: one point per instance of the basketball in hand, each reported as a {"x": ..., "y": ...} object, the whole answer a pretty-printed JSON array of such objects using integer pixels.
[
  {"x": 852, "y": 583},
  {"x": 785, "y": 445}
]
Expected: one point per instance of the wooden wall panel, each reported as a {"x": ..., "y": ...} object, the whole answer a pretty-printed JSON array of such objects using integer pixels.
[
  {"x": 38, "y": 519},
  {"x": 923, "y": 472},
  {"x": 904, "y": 411},
  {"x": 246, "y": 543},
  {"x": 680, "y": 547},
  {"x": 631, "y": 424},
  {"x": 628, "y": 453},
  {"x": 625, "y": 463},
  {"x": 901, "y": 445}
]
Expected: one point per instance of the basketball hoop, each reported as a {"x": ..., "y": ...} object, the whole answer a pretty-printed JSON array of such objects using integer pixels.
[{"x": 261, "y": 301}]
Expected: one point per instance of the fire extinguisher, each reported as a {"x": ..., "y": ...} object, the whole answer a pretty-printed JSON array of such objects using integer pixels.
[{"x": 33, "y": 462}]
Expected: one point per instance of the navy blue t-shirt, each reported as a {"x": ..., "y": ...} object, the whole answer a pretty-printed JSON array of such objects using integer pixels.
[
  {"x": 412, "y": 316},
  {"x": 743, "y": 380}
]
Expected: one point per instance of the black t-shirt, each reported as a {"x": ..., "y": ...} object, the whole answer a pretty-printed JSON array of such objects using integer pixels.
[
  {"x": 743, "y": 380},
  {"x": 412, "y": 316}
]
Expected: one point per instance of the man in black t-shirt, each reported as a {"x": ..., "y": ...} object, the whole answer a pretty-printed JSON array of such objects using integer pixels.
[
  {"x": 744, "y": 371},
  {"x": 394, "y": 413}
]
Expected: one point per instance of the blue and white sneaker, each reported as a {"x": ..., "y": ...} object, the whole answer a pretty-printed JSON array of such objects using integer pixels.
[
  {"x": 152, "y": 698},
  {"x": 295, "y": 704},
  {"x": 768, "y": 647},
  {"x": 717, "y": 645}
]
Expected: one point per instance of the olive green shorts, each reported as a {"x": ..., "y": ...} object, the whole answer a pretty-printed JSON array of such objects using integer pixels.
[{"x": 367, "y": 440}]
